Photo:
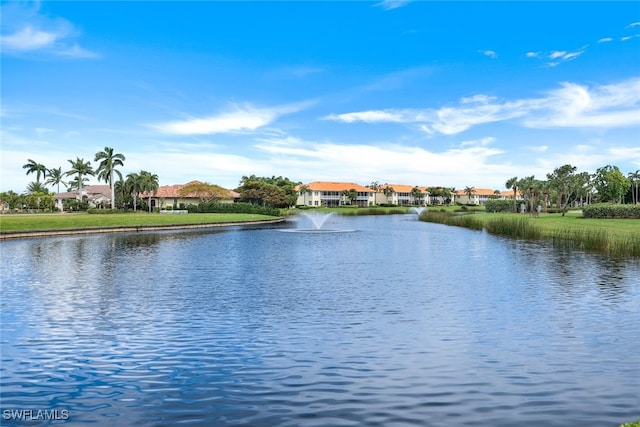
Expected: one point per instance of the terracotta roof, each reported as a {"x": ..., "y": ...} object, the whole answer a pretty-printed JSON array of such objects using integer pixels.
[
  {"x": 402, "y": 188},
  {"x": 336, "y": 186},
  {"x": 478, "y": 192}
]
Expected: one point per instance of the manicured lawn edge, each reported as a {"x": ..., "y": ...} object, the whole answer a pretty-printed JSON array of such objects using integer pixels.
[{"x": 36, "y": 226}]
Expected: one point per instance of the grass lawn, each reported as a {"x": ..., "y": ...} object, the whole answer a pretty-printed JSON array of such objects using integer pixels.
[
  {"x": 551, "y": 223},
  {"x": 84, "y": 220}
]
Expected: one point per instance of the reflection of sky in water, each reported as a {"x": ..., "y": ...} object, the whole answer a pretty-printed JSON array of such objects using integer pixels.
[{"x": 250, "y": 325}]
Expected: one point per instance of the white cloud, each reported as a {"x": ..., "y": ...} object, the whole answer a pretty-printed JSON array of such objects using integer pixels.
[
  {"x": 572, "y": 105},
  {"x": 239, "y": 119},
  {"x": 633, "y": 24},
  {"x": 489, "y": 53},
  {"x": 605, "y": 40},
  {"x": 392, "y": 4},
  {"x": 25, "y": 31}
]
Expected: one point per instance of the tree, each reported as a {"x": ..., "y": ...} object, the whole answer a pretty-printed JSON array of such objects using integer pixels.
[
  {"x": 303, "y": 190},
  {"x": 634, "y": 178},
  {"x": 417, "y": 195},
  {"x": 469, "y": 191},
  {"x": 277, "y": 192},
  {"x": 56, "y": 177},
  {"x": 149, "y": 184},
  {"x": 512, "y": 184},
  {"x": 610, "y": 183},
  {"x": 567, "y": 184},
  {"x": 107, "y": 167},
  {"x": 388, "y": 192},
  {"x": 36, "y": 187},
  {"x": 34, "y": 167},
  {"x": 80, "y": 169},
  {"x": 133, "y": 186},
  {"x": 351, "y": 194},
  {"x": 204, "y": 191},
  {"x": 11, "y": 198}
]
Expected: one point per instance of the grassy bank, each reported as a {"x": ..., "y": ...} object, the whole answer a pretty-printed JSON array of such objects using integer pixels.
[
  {"x": 83, "y": 220},
  {"x": 615, "y": 237}
]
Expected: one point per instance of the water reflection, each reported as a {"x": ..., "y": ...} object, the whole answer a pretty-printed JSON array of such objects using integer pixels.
[{"x": 399, "y": 322}]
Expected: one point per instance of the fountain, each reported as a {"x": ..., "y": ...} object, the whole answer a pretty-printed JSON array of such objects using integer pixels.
[
  {"x": 313, "y": 222},
  {"x": 416, "y": 210}
]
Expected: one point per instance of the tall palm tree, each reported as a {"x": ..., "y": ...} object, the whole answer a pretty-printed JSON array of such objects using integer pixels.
[
  {"x": 36, "y": 187},
  {"x": 80, "y": 169},
  {"x": 149, "y": 184},
  {"x": 107, "y": 167},
  {"x": 133, "y": 185},
  {"x": 469, "y": 191},
  {"x": 56, "y": 177},
  {"x": 34, "y": 167},
  {"x": 634, "y": 177},
  {"x": 512, "y": 183}
]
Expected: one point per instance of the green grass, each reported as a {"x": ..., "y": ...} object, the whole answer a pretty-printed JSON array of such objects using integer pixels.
[
  {"x": 615, "y": 237},
  {"x": 631, "y": 424},
  {"x": 83, "y": 220}
]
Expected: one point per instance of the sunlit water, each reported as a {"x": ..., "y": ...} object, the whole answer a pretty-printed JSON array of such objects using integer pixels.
[{"x": 399, "y": 322}]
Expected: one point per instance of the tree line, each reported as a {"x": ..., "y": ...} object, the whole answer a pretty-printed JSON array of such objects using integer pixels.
[
  {"x": 564, "y": 186},
  {"x": 124, "y": 190}
]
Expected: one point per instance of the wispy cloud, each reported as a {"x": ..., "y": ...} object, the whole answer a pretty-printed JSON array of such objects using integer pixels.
[
  {"x": 556, "y": 57},
  {"x": 392, "y": 4},
  {"x": 489, "y": 53},
  {"x": 25, "y": 31},
  {"x": 605, "y": 40},
  {"x": 239, "y": 118},
  {"x": 571, "y": 105}
]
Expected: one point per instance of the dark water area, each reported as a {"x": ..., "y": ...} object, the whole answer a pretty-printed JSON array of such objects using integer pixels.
[{"x": 386, "y": 321}]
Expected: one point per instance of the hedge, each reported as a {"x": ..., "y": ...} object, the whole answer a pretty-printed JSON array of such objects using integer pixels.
[
  {"x": 612, "y": 211},
  {"x": 233, "y": 208},
  {"x": 497, "y": 205}
]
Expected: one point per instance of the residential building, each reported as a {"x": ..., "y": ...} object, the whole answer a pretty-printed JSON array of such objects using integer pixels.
[
  {"x": 401, "y": 195},
  {"x": 330, "y": 194},
  {"x": 479, "y": 196},
  {"x": 173, "y": 197},
  {"x": 95, "y": 195}
]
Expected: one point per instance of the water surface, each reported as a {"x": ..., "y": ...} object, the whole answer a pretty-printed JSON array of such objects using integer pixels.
[{"x": 396, "y": 322}]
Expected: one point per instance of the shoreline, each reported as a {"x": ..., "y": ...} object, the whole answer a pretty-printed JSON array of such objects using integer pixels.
[{"x": 20, "y": 234}]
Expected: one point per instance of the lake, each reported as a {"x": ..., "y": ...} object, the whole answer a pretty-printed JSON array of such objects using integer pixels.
[{"x": 380, "y": 321}]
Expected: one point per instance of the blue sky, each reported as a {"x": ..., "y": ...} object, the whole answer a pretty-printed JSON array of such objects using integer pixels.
[{"x": 421, "y": 93}]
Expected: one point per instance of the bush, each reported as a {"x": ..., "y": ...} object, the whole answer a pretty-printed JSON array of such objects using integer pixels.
[
  {"x": 609, "y": 211},
  {"x": 233, "y": 208},
  {"x": 496, "y": 205}
]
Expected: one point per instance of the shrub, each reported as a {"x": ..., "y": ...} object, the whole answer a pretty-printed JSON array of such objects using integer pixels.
[
  {"x": 609, "y": 211},
  {"x": 233, "y": 208},
  {"x": 496, "y": 205},
  {"x": 103, "y": 211}
]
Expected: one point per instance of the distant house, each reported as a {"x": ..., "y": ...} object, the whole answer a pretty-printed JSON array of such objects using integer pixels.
[
  {"x": 401, "y": 195},
  {"x": 330, "y": 194},
  {"x": 480, "y": 196},
  {"x": 171, "y": 196},
  {"x": 95, "y": 195}
]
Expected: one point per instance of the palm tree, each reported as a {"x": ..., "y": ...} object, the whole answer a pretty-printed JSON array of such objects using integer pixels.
[
  {"x": 634, "y": 177},
  {"x": 133, "y": 185},
  {"x": 34, "y": 167},
  {"x": 36, "y": 187},
  {"x": 56, "y": 177},
  {"x": 469, "y": 191},
  {"x": 80, "y": 168},
  {"x": 512, "y": 183},
  {"x": 107, "y": 167},
  {"x": 388, "y": 192},
  {"x": 149, "y": 184}
]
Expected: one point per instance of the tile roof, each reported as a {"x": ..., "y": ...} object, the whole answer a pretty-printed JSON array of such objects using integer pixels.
[
  {"x": 479, "y": 192},
  {"x": 402, "y": 188},
  {"x": 91, "y": 191}
]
